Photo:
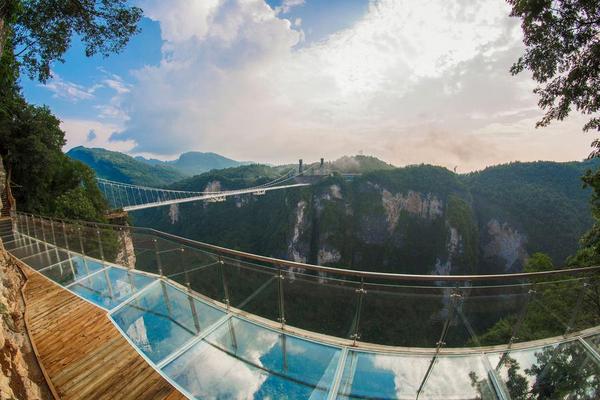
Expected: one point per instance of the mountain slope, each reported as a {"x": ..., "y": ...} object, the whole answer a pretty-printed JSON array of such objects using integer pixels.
[
  {"x": 123, "y": 168},
  {"x": 195, "y": 163},
  {"x": 418, "y": 219}
]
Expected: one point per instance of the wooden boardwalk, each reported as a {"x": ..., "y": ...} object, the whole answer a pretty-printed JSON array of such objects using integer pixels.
[{"x": 83, "y": 354}]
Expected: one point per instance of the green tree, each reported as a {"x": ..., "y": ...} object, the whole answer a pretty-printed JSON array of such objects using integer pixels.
[
  {"x": 562, "y": 39},
  {"x": 41, "y": 30},
  {"x": 44, "y": 179}
]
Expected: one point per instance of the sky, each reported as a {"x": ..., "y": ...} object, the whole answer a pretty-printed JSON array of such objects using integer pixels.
[{"x": 273, "y": 81}]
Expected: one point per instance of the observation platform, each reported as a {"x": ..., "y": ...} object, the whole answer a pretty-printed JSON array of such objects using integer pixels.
[{"x": 149, "y": 310}]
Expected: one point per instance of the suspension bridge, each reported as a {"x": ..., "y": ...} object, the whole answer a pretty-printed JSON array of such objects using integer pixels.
[{"x": 129, "y": 197}]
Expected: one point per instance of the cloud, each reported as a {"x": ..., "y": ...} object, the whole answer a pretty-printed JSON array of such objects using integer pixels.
[
  {"x": 287, "y": 5},
  {"x": 93, "y": 133},
  {"x": 409, "y": 82},
  {"x": 68, "y": 90}
]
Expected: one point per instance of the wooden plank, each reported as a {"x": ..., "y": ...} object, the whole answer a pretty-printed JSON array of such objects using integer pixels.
[{"x": 83, "y": 354}]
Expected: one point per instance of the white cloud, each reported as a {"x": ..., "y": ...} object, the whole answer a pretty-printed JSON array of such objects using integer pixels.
[
  {"x": 287, "y": 5},
  {"x": 77, "y": 132},
  {"x": 68, "y": 90},
  {"x": 409, "y": 82}
]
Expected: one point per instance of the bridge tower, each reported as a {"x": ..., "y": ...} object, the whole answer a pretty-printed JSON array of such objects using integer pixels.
[{"x": 300, "y": 167}]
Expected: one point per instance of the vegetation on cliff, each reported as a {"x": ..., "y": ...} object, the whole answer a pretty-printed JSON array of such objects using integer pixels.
[{"x": 45, "y": 181}]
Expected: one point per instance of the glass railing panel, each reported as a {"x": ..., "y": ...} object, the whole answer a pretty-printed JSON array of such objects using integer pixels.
[
  {"x": 110, "y": 287},
  {"x": 320, "y": 304},
  {"x": 552, "y": 308},
  {"x": 382, "y": 376},
  {"x": 184, "y": 259},
  {"x": 586, "y": 313},
  {"x": 404, "y": 315},
  {"x": 163, "y": 318},
  {"x": 111, "y": 245},
  {"x": 144, "y": 251},
  {"x": 251, "y": 288},
  {"x": 242, "y": 360},
  {"x": 565, "y": 371},
  {"x": 91, "y": 243},
  {"x": 47, "y": 228},
  {"x": 486, "y": 315},
  {"x": 75, "y": 239},
  {"x": 47, "y": 258},
  {"x": 198, "y": 270},
  {"x": 456, "y": 378}
]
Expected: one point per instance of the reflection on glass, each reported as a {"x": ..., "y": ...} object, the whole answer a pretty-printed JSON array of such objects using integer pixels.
[
  {"x": 163, "y": 318},
  {"x": 110, "y": 287},
  {"x": 404, "y": 316},
  {"x": 565, "y": 371},
  {"x": 241, "y": 360},
  {"x": 382, "y": 376},
  {"x": 64, "y": 273},
  {"x": 71, "y": 270},
  {"x": 458, "y": 377},
  {"x": 252, "y": 289},
  {"x": 320, "y": 305}
]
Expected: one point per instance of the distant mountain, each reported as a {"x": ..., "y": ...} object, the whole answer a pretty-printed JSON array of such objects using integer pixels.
[
  {"x": 359, "y": 164},
  {"x": 123, "y": 168},
  {"x": 417, "y": 219},
  {"x": 195, "y": 163}
]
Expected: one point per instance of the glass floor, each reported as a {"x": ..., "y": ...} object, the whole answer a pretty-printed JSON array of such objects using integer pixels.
[{"x": 208, "y": 353}]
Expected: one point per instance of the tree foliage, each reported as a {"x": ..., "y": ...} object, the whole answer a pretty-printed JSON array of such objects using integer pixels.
[
  {"x": 562, "y": 39},
  {"x": 42, "y": 30},
  {"x": 44, "y": 179}
]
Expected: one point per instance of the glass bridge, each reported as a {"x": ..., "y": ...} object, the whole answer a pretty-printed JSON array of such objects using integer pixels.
[{"x": 222, "y": 324}]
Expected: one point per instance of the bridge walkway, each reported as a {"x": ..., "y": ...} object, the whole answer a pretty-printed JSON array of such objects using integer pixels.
[{"x": 83, "y": 354}]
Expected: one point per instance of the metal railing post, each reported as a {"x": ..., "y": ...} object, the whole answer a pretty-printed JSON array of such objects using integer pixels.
[
  {"x": 157, "y": 253},
  {"x": 361, "y": 292},
  {"x": 281, "y": 304},
  {"x": 34, "y": 230},
  {"x": 64, "y": 229},
  {"x": 27, "y": 226},
  {"x": 43, "y": 230},
  {"x": 224, "y": 282},
  {"x": 577, "y": 308},
  {"x": 85, "y": 265},
  {"x": 100, "y": 248}
]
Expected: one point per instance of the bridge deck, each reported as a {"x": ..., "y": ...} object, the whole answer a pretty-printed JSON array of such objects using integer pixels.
[{"x": 84, "y": 355}]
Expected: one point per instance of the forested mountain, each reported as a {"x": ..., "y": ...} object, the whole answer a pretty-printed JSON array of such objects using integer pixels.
[
  {"x": 195, "y": 162},
  {"x": 417, "y": 219},
  {"x": 120, "y": 167}
]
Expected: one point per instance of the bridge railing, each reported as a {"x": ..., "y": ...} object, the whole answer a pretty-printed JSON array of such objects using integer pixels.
[{"x": 354, "y": 307}]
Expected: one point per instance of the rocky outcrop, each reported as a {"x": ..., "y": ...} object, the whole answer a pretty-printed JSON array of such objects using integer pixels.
[
  {"x": 126, "y": 254},
  {"x": 20, "y": 377},
  {"x": 174, "y": 213},
  {"x": 506, "y": 243},
  {"x": 298, "y": 250},
  {"x": 327, "y": 255},
  {"x": 427, "y": 206}
]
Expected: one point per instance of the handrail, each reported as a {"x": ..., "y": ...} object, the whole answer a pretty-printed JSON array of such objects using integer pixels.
[{"x": 341, "y": 271}]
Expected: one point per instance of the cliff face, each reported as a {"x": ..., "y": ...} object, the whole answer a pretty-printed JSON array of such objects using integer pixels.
[
  {"x": 419, "y": 219},
  {"x": 21, "y": 377}
]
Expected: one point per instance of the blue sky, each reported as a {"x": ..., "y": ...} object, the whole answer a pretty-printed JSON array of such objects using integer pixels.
[{"x": 406, "y": 81}]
